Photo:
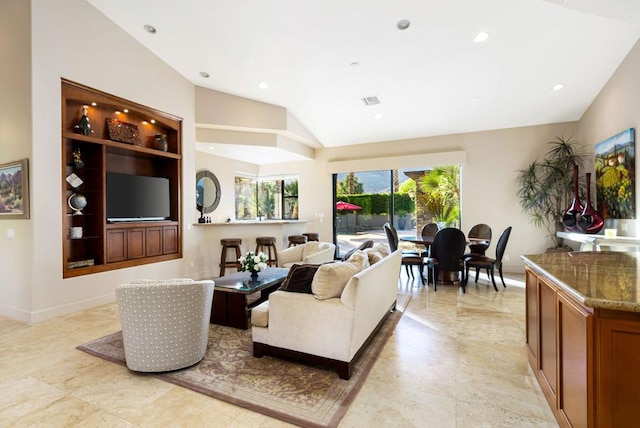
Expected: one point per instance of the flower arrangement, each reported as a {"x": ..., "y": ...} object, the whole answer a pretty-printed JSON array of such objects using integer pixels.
[{"x": 253, "y": 262}]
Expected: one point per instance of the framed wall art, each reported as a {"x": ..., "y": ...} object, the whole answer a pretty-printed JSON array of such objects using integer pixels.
[
  {"x": 615, "y": 175},
  {"x": 14, "y": 190}
]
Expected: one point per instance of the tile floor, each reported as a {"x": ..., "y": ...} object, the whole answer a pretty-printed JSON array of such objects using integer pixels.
[{"x": 454, "y": 361}]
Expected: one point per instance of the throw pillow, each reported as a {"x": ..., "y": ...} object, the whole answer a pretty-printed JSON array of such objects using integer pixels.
[
  {"x": 330, "y": 279},
  {"x": 299, "y": 278},
  {"x": 363, "y": 246},
  {"x": 374, "y": 255},
  {"x": 383, "y": 248}
]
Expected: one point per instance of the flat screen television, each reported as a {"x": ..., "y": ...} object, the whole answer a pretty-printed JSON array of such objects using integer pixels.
[{"x": 137, "y": 198}]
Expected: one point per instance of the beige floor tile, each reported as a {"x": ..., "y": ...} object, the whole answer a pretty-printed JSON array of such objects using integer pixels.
[{"x": 455, "y": 360}]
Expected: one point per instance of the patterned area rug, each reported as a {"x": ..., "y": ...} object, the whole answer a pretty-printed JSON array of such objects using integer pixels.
[{"x": 284, "y": 389}]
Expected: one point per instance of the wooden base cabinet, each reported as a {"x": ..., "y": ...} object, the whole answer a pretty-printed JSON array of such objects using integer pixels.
[
  {"x": 130, "y": 242},
  {"x": 559, "y": 339},
  {"x": 618, "y": 371},
  {"x": 587, "y": 360}
]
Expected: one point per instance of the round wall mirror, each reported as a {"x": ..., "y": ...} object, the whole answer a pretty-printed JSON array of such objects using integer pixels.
[{"x": 207, "y": 191}]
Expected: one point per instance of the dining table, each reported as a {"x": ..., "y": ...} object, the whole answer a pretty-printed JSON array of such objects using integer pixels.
[{"x": 427, "y": 241}]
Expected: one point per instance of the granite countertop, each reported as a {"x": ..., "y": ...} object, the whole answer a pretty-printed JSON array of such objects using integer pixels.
[{"x": 598, "y": 279}]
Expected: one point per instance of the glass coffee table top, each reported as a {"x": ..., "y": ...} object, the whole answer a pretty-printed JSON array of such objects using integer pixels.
[{"x": 240, "y": 282}]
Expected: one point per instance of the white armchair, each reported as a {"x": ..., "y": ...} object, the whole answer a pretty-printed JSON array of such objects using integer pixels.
[
  {"x": 165, "y": 323},
  {"x": 310, "y": 253}
]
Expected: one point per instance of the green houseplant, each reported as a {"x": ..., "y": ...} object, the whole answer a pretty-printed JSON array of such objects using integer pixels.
[{"x": 545, "y": 187}]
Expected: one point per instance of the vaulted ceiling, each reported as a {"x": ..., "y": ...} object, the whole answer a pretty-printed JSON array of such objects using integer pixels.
[{"x": 320, "y": 58}]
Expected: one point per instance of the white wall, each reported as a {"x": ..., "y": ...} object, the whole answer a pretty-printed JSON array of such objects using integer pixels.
[
  {"x": 615, "y": 109},
  {"x": 15, "y": 144},
  {"x": 73, "y": 40}
]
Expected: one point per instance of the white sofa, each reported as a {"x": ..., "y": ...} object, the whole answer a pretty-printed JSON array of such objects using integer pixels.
[
  {"x": 313, "y": 252},
  {"x": 330, "y": 331}
]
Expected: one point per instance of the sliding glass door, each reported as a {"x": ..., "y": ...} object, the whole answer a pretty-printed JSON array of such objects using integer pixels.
[{"x": 406, "y": 198}]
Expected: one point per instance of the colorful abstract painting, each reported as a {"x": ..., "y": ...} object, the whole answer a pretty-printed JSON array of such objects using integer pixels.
[{"x": 615, "y": 175}]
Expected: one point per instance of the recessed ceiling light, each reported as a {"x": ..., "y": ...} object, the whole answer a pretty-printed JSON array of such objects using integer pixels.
[
  {"x": 126, "y": 110},
  {"x": 403, "y": 24},
  {"x": 557, "y": 87},
  {"x": 355, "y": 64},
  {"x": 378, "y": 116},
  {"x": 204, "y": 74},
  {"x": 94, "y": 104},
  {"x": 149, "y": 29},
  {"x": 152, "y": 121},
  {"x": 481, "y": 37},
  {"x": 263, "y": 85}
]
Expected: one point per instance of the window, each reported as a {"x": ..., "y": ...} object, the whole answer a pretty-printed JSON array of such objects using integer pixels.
[{"x": 266, "y": 198}]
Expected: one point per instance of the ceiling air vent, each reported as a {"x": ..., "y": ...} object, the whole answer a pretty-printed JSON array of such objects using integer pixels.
[{"x": 370, "y": 101}]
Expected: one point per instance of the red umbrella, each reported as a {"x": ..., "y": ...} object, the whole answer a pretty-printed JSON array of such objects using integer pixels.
[{"x": 346, "y": 206}]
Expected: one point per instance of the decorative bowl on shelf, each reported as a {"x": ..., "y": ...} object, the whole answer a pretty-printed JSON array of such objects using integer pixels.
[{"x": 77, "y": 202}]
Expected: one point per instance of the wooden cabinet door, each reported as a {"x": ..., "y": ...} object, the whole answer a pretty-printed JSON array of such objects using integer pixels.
[
  {"x": 116, "y": 245},
  {"x": 618, "y": 368},
  {"x": 170, "y": 239},
  {"x": 548, "y": 341},
  {"x": 532, "y": 318},
  {"x": 575, "y": 370},
  {"x": 135, "y": 243},
  {"x": 154, "y": 241}
]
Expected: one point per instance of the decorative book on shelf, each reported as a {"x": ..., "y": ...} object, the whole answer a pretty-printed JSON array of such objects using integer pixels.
[{"x": 123, "y": 132}]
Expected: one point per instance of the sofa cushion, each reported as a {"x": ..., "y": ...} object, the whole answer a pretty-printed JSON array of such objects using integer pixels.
[
  {"x": 374, "y": 255},
  {"x": 260, "y": 315},
  {"x": 331, "y": 278},
  {"x": 299, "y": 278},
  {"x": 383, "y": 248},
  {"x": 311, "y": 247},
  {"x": 363, "y": 246}
]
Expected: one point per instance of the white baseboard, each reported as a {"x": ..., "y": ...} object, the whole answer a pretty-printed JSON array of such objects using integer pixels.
[{"x": 49, "y": 313}]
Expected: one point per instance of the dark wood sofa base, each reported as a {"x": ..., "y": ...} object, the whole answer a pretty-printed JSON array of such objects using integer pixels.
[{"x": 344, "y": 368}]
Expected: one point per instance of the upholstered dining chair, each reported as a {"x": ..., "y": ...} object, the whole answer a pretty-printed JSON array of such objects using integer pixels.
[
  {"x": 480, "y": 231},
  {"x": 429, "y": 229},
  {"x": 447, "y": 254},
  {"x": 165, "y": 323},
  {"x": 409, "y": 259},
  {"x": 483, "y": 262}
]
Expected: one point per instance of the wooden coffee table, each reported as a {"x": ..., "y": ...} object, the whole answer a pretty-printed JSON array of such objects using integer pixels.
[{"x": 235, "y": 295}]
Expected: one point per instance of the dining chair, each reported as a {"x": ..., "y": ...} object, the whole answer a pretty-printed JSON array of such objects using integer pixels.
[
  {"x": 446, "y": 254},
  {"x": 429, "y": 229},
  {"x": 484, "y": 262},
  {"x": 481, "y": 231},
  {"x": 409, "y": 259}
]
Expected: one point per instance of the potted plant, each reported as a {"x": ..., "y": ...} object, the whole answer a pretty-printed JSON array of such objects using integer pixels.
[
  {"x": 402, "y": 219},
  {"x": 545, "y": 187}
]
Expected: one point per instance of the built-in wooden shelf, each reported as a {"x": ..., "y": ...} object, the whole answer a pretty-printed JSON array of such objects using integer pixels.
[{"x": 105, "y": 246}]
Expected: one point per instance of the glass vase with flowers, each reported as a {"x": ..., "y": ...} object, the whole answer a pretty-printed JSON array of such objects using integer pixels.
[{"x": 253, "y": 263}]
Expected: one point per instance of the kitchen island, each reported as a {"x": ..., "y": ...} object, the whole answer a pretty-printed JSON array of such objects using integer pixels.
[{"x": 583, "y": 335}]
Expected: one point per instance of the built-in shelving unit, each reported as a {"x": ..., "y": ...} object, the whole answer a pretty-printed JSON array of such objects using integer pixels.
[{"x": 101, "y": 246}]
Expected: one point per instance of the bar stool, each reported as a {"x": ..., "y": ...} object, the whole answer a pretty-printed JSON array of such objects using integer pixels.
[
  {"x": 297, "y": 240},
  {"x": 229, "y": 244},
  {"x": 312, "y": 236},
  {"x": 267, "y": 244}
]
